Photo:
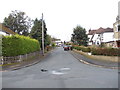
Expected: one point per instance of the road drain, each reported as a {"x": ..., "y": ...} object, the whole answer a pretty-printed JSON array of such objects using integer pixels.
[{"x": 44, "y": 70}]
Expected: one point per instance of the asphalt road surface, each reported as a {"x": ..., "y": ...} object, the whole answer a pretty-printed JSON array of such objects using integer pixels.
[{"x": 60, "y": 69}]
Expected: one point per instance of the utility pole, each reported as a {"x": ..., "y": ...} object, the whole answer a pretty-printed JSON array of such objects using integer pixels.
[{"x": 42, "y": 36}]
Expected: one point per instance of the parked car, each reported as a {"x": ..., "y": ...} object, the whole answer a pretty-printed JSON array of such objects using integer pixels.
[
  {"x": 70, "y": 47},
  {"x": 67, "y": 47}
]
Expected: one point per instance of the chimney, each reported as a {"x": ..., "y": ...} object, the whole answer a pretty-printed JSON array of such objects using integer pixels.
[{"x": 89, "y": 29}]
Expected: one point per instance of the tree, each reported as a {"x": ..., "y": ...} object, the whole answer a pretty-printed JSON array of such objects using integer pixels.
[
  {"x": 48, "y": 40},
  {"x": 36, "y": 31},
  {"x": 18, "y": 22},
  {"x": 79, "y": 36}
]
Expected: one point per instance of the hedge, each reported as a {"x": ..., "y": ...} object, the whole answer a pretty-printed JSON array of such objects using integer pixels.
[
  {"x": 18, "y": 45},
  {"x": 99, "y": 51},
  {"x": 106, "y": 51},
  {"x": 82, "y": 48}
]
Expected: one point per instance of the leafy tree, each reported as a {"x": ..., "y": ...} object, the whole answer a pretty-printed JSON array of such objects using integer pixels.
[
  {"x": 48, "y": 40},
  {"x": 18, "y": 22},
  {"x": 55, "y": 39},
  {"x": 36, "y": 31},
  {"x": 79, "y": 36}
]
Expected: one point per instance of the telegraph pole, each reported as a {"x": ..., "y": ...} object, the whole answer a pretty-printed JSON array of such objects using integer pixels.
[{"x": 42, "y": 36}]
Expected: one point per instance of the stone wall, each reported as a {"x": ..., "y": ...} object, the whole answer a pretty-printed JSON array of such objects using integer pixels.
[{"x": 20, "y": 58}]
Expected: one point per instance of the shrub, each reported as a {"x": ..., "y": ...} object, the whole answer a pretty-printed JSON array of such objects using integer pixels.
[
  {"x": 85, "y": 49},
  {"x": 99, "y": 50},
  {"x": 76, "y": 47},
  {"x": 53, "y": 45},
  {"x": 82, "y": 48},
  {"x": 18, "y": 45},
  {"x": 48, "y": 48},
  {"x": 106, "y": 51}
]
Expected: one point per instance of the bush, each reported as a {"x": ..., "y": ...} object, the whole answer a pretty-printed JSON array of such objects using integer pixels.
[
  {"x": 99, "y": 51},
  {"x": 48, "y": 48},
  {"x": 82, "y": 48},
  {"x": 18, "y": 45},
  {"x": 106, "y": 51},
  {"x": 85, "y": 49},
  {"x": 76, "y": 47},
  {"x": 53, "y": 45}
]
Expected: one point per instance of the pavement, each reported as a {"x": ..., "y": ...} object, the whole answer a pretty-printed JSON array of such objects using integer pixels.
[
  {"x": 60, "y": 69},
  {"x": 99, "y": 63},
  {"x": 23, "y": 64}
]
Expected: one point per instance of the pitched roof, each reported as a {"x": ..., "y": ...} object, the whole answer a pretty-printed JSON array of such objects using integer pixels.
[
  {"x": 5, "y": 29},
  {"x": 100, "y": 30},
  {"x": 91, "y": 32},
  {"x": 109, "y": 30}
]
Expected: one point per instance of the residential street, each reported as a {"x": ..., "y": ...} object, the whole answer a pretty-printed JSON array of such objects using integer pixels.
[{"x": 60, "y": 69}]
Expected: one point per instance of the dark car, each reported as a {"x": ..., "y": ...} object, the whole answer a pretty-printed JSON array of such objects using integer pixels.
[
  {"x": 70, "y": 47},
  {"x": 66, "y": 48}
]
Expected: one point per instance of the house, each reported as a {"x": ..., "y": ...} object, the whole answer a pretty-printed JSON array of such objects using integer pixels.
[
  {"x": 57, "y": 42},
  {"x": 108, "y": 36},
  {"x": 5, "y": 31},
  {"x": 101, "y": 35},
  {"x": 116, "y": 28},
  {"x": 90, "y": 36}
]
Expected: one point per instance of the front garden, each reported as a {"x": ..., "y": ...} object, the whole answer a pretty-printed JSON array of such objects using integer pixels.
[{"x": 99, "y": 50}]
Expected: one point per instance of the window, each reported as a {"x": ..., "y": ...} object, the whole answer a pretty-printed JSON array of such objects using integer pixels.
[
  {"x": 118, "y": 28},
  {"x": 97, "y": 42}
]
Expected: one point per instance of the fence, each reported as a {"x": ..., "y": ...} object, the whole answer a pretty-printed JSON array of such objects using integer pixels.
[{"x": 20, "y": 58}]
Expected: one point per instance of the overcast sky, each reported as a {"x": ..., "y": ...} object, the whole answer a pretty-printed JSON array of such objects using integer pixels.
[{"x": 61, "y": 16}]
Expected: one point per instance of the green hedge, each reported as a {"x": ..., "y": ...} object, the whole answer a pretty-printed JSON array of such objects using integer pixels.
[
  {"x": 82, "y": 48},
  {"x": 18, "y": 45},
  {"x": 99, "y": 51},
  {"x": 106, "y": 51}
]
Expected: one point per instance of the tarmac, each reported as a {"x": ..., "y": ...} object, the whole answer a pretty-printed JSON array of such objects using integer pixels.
[{"x": 81, "y": 58}]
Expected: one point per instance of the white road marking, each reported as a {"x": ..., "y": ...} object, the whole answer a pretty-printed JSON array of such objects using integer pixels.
[
  {"x": 65, "y": 69},
  {"x": 57, "y": 73}
]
